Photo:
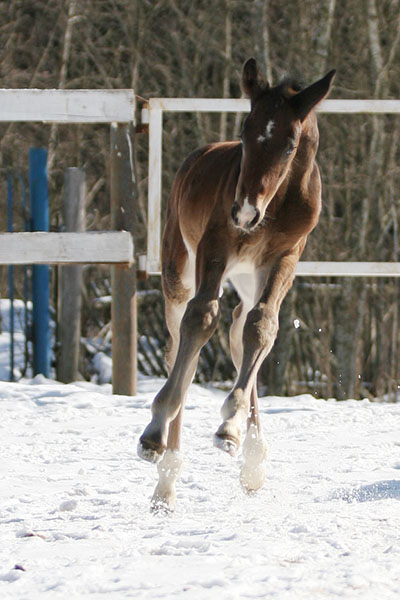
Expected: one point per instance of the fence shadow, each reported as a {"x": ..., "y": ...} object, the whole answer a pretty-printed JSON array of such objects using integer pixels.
[{"x": 381, "y": 490}]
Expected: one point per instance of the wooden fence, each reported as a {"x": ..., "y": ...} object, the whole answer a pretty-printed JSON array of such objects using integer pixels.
[
  {"x": 153, "y": 115},
  {"x": 116, "y": 107}
]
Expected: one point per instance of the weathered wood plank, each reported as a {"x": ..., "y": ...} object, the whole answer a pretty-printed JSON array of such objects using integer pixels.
[
  {"x": 360, "y": 106},
  {"x": 66, "y": 248},
  {"x": 348, "y": 269},
  {"x": 123, "y": 307},
  {"x": 71, "y": 280},
  {"x": 340, "y": 269},
  {"x": 67, "y": 106},
  {"x": 152, "y": 114},
  {"x": 154, "y": 192},
  {"x": 243, "y": 105}
]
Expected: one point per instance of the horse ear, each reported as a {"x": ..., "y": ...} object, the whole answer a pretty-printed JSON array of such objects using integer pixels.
[
  {"x": 252, "y": 82},
  {"x": 307, "y": 99}
]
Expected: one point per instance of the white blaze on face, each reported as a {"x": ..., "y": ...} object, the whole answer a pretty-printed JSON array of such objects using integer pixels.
[
  {"x": 267, "y": 133},
  {"x": 246, "y": 213}
]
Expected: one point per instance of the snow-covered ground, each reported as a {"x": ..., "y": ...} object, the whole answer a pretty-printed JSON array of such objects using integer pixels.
[
  {"x": 19, "y": 338},
  {"x": 74, "y": 512}
]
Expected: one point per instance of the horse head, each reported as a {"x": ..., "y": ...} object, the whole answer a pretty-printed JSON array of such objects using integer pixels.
[{"x": 270, "y": 140}]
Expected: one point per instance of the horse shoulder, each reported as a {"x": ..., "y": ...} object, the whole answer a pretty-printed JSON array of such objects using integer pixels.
[{"x": 205, "y": 188}]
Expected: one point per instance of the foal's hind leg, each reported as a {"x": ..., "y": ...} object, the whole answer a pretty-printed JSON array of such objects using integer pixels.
[
  {"x": 170, "y": 466},
  {"x": 252, "y": 473},
  {"x": 228, "y": 436},
  {"x": 259, "y": 333}
]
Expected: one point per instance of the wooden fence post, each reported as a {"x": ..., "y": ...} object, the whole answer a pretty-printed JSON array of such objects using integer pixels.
[
  {"x": 123, "y": 306},
  {"x": 71, "y": 277}
]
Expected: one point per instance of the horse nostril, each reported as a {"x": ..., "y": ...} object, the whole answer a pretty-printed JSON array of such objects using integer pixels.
[
  {"x": 254, "y": 221},
  {"x": 234, "y": 212}
]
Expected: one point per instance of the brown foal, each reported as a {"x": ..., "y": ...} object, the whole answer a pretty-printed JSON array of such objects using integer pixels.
[{"x": 240, "y": 211}]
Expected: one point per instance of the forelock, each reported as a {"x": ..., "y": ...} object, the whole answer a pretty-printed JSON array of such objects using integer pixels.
[
  {"x": 289, "y": 86},
  {"x": 286, "y": 88}
]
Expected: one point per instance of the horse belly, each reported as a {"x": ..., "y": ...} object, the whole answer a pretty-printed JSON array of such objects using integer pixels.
[
  {"x": 188, "y": 275},
  {"x": 243, "y": 278}
]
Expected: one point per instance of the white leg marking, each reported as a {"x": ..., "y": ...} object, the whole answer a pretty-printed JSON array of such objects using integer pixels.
[
  {"x": 252, "y": 474},
  {"x": 169, "y": 469}
]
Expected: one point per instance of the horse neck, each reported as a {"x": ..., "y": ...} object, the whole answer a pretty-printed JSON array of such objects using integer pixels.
[{"x": 304, "y": 160}]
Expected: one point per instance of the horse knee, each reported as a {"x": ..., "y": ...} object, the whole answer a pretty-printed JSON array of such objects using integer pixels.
[
  {"x": 200, "y": 320},
  {"x": 261, "y": 328}
]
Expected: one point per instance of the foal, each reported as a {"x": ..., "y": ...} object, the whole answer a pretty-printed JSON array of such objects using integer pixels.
[{"x": 240, "y": 211}]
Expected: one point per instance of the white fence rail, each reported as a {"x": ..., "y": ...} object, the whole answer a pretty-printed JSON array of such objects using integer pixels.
[
  {"x": 348, "y": 269},
  {"x": 243, "y": 105},
  {"x": 67, "y": 106},
  {"x": 153, "y": 115},
  {"x": 115, "y": 247},
  {"x": 116, "y": 107}
]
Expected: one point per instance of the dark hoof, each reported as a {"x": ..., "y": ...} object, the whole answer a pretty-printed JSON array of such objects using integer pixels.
[
  {"x": 149, "y": 451},
  {"x": 228, "y": 445}
]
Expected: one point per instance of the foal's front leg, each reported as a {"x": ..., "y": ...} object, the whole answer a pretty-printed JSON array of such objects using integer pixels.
[
  {"x": 160, "y": 440},
  {"x": 198, "y": 324},
  {"x": 169, "y": 469}
]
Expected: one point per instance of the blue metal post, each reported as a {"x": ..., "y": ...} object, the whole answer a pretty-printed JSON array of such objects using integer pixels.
[
  {"x": 10, "y": 275},
  {"x": 41, "y": 273}
]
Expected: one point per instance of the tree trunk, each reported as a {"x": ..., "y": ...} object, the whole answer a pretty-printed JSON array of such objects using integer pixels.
[{"x": 62, "y": 78}]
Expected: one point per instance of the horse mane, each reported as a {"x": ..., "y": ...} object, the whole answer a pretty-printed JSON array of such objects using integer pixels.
[{"x": 287, "y": 87}]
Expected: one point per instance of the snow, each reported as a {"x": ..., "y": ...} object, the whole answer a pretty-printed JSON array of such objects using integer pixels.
[
  {"x": 19, "y": 337},
  {"x": 74, "y": 500}
]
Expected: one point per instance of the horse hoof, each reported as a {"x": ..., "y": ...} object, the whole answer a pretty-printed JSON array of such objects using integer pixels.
[
  {"x": 226, "y": 444},
  {"x": 149, "y": 453}
]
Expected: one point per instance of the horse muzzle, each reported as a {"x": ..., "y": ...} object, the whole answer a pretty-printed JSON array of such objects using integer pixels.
[{"x": 245, "y": 217}]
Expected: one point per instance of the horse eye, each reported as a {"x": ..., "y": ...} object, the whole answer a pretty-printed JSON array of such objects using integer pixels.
[{"x": 290, "y": 149}]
